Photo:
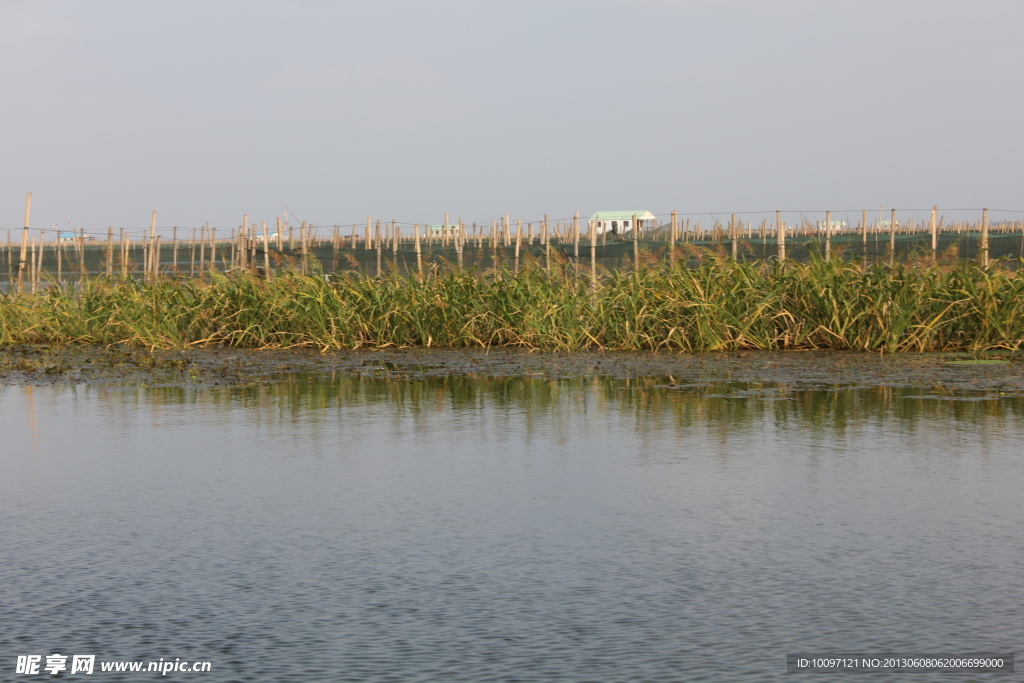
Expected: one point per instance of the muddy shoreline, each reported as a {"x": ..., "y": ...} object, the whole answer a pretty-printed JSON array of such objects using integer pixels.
[{"x": 991, "y": 373}]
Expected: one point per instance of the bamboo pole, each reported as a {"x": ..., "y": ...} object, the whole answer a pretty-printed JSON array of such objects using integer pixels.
[
  {"x": 243, "y": 243},
  {"x": 33, "y": 269},
  {"x": 211, "y": 234},
  {"x": 110, "y": 251},
  {"x": 828, "y": 235},
  {"x": 733, "y": 230},
  {"x": 41, "y": 256},
  {"x": 203, "y": 237},
  {"x": 376, "y": 244},
  {"x": 636, "y": 250},
  {"x": 124, "y": 254},
  {"x": 935, "y": 235},
  {"x": 419, "y": 253},
  {"x": 892, "y": 237},
  {"x": 547, "y": 244},
  {"x": 156, "y": 257},
  {"x": 780, "y": 230},
  {"x": 864, "y": 230},
  {"x": 593, "y": 253},
  {"x": 24, "y": 240},
  {"x": 519, "y": 236},
  {"x": 253, "y": 237},
  {"x": 81, "y": 255},
  {"x": 266, "y": 253},
  {"x": 460, "y": 240},
  {"x": 672, "y": 237},
  {"x": 36, "y": 258},
  {"x": 984, "y": 238},
  {"x": 152, "y": 254},
  {"x": 576, "y": 238},
  {"x": 304, "y": 237}
]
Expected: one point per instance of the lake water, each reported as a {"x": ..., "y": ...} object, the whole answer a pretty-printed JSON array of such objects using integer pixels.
[{"x": 337, "y": 528}]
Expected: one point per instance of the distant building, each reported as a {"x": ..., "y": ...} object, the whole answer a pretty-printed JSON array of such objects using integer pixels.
[
  {"x": 620, "y": 221},
  {"x": 72, "y": 237}
]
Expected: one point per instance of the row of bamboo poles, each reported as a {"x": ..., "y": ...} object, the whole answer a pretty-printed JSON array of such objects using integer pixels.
[{"x": 252, "y": 246}]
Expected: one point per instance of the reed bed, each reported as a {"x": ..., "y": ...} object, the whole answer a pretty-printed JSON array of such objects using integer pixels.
[{"x": 716, "y": 306}]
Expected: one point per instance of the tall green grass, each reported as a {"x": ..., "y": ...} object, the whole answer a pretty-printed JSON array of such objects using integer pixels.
[{"x": 720, "y": 305}]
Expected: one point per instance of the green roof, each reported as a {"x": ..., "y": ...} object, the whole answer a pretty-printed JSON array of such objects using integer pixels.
[{"x": 622, "y": 215}]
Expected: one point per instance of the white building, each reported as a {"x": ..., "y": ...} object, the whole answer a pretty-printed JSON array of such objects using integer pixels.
[{"x": 618, "y": 222}]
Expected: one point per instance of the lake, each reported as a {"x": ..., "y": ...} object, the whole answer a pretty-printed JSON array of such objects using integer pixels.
[{"x": 330, "y": 527}]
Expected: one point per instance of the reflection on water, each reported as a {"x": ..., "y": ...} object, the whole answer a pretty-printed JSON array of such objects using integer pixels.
[{"x": 482, "y": 529}]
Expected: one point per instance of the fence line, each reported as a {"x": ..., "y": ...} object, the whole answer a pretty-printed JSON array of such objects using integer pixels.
[{"x": 33, "y": 261}]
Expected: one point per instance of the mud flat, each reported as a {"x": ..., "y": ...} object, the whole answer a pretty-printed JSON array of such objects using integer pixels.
[{"x": 991, "y": 373}]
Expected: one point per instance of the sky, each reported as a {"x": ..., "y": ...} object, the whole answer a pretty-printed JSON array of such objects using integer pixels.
[{"x": 410, "y": 109}]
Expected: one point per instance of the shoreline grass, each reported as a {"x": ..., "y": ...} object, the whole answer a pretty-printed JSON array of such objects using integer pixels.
[{"x": 719, "y": 305}]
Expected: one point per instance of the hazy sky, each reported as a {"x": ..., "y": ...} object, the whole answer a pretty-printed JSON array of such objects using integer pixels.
[{"x": 408, "y": 109}]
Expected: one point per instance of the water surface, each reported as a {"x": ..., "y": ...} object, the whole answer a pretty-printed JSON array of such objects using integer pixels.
[{"x": 338, "y": 528}]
